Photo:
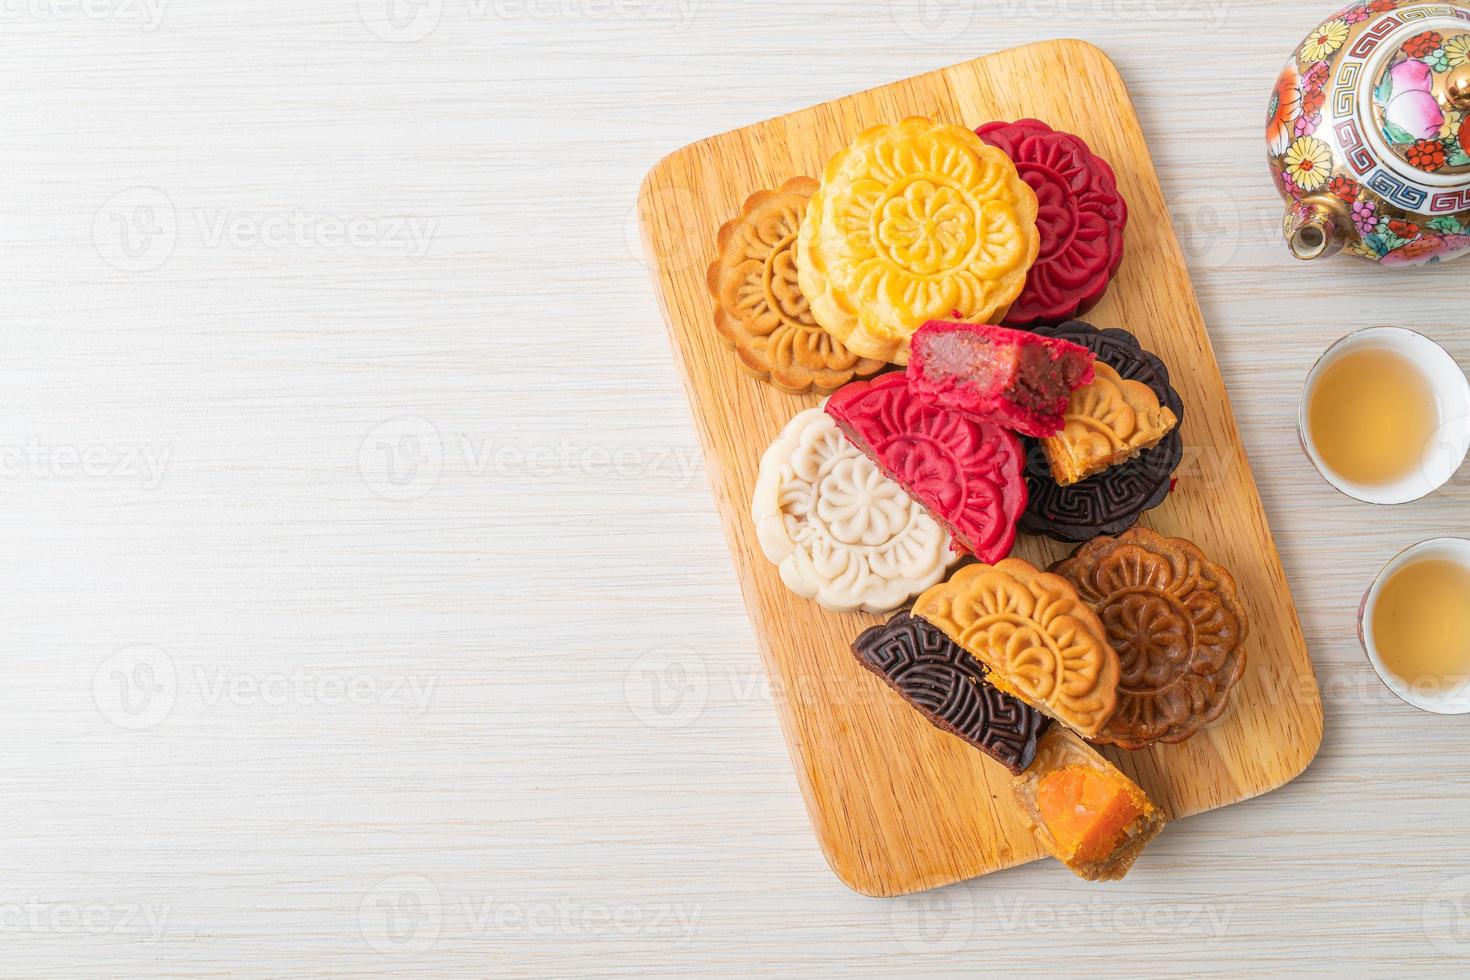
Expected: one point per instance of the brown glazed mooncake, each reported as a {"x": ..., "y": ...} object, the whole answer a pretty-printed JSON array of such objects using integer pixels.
[
  {"x": 1086, "y": 813},
  {"x": 1109, "y": 421},
  {"x": 1178, "y": 627},
  {"x": 1038, "y": 640},
  {"x": 760, "y": 312}
]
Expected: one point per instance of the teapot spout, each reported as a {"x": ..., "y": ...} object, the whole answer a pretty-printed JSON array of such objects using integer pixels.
[{"x": 1316, "y": 228}]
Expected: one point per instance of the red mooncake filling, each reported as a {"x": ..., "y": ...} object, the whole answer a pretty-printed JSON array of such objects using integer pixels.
[
  {"x": 1011, "y": 378},
  {"x": 968, "y": 474}
]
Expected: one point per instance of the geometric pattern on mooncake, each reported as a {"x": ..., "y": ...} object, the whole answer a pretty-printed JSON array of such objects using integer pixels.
[
  {"x": 1108, "y": 421},
  {"x": 914, "y": 222},
  {"x": 1115, "y": 499},
  {"x": 966, "y": 473},
  {"x": 839, "y": 531},
  {"x": 1178, "y": 627},
  {"x": 1081, "y": 220},
  {"x": 1035, "y": 635},
  {"x": 947, "y": 685},
  {"x": 760, "y": 312}
]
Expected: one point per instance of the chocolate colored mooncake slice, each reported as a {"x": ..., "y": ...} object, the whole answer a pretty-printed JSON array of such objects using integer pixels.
[
  {"x": 1015, "y": 379},
  {"x": 947, "y": 685}
]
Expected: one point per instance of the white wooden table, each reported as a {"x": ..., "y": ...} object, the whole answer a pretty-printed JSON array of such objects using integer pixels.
[{"x": 365, "y": 610}]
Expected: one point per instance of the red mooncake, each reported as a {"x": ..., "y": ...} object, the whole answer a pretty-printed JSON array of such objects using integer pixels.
[
  {"x": 1018, "y": 380},
  {"x": 1081, "y": 220},
  {"x": 966, "y": 473}
]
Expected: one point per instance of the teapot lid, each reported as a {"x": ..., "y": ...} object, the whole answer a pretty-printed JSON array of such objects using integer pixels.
[{"x": 1421, "y": 101}]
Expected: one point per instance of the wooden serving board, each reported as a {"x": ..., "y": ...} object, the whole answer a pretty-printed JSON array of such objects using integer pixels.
[{"x": 899, "y": 806}]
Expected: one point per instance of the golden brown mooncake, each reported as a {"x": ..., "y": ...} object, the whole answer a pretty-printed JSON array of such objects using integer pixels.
[
  {"x": 1036, "y": 637},
  {"x": 760, "y": 312},
  {"x": 1177, "y": 625},
  {"x": 1086, "y": 813},
  {"x": 1108, "y": 422},
  {"x": 914, "y": 222}
]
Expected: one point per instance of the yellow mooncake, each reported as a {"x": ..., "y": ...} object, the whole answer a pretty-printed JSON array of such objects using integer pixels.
[{"x": 914, "y": 222}]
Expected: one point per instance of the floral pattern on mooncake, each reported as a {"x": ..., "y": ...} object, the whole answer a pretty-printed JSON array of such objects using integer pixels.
[
  {"x": 967, "y": 473},
  {"x": 840, "y": 531},
  {"x": 1081, "y": 220},
  {"x": 1035, "y": 635},
  {"x": 1109, "y": 421},
  {"x": 914, "y": 222},
  {"x": 761, "y": 313},
  {"x": 1177, "y": 625}
]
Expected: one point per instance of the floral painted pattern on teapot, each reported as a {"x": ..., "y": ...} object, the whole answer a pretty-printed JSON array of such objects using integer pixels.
[{"x": 1368, "y": 134}]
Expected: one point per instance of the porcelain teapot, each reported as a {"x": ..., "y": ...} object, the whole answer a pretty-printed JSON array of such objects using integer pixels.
[{"x": 1369, "y": 134}]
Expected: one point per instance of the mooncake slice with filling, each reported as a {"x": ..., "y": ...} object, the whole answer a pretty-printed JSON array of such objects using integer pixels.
[
  {"x": 1086, "y": 813},
  {"x": 1012, "y": 378},
  {"x": 1036, "y": 637},
  {"x": 1109, "y": 421}
]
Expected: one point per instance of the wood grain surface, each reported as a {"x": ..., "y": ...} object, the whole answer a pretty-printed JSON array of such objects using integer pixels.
[
  {"x": 897, "y": 805},
  {"x": 597, "y": 783}
]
